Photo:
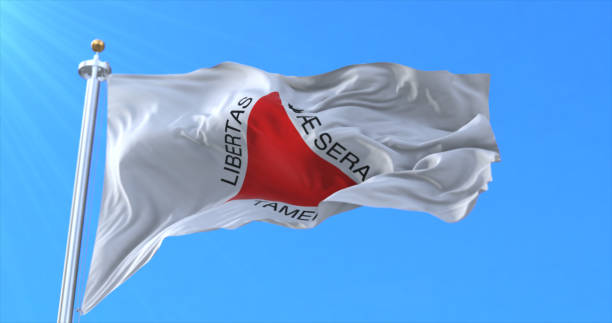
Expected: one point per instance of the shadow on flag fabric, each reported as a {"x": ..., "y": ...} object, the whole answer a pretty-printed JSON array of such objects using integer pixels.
[{"x": 224, "y": 146}]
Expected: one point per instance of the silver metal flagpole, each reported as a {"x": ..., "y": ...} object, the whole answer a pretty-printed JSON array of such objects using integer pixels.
[{"x": 94, "y": 71}]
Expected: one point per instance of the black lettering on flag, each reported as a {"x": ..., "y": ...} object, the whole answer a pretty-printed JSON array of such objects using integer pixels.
[
  {"x": 272, "y": 205},
  {"x": 236, "y": 114},
  {"x": 363, "y": 170},
  {"x": 233, "y": 147},
  {"x": 322, "y": 143},
  {"x": 284, "y": 209},
  {"x": 305, "y": 215},
  {"x": 232, "y": 150},
  {"x": 245, "y": 102},
  {"x": 233, "y": 161},
  {"x": 287, "y": 210},
  {"x": 294, "y": 109},
  {"x": 333, "y": 149},
  {"x": 354, "y": 160},
  {"x": 229, "y": 139},
  {"x": 308, "y": 120},
  {"x": 231, "y": 183},
  {"x": 227, "y": 126}
]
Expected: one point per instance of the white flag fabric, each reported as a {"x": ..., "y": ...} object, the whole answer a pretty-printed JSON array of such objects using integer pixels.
[{"x": 224, "y": 146}]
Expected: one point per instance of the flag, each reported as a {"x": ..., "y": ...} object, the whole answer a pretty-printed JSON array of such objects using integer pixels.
[{"x": 224, "y": 146}]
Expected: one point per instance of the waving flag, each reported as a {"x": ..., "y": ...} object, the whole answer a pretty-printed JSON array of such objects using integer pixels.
[{"x": 221, "y": 147}]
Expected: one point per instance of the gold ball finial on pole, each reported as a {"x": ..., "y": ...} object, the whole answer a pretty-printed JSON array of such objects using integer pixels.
[{"x": 97, "y": 45}]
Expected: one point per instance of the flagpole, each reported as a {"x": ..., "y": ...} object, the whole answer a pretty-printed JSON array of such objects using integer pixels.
[{"x": 94, "y": 71}]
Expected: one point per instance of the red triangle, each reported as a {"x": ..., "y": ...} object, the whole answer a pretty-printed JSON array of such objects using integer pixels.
[{"x": 281, "y": 167}]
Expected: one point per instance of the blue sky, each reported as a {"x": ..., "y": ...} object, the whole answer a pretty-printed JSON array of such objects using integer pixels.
[{"x": 536, "y": 248}]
